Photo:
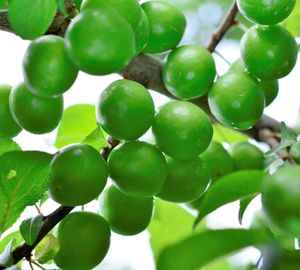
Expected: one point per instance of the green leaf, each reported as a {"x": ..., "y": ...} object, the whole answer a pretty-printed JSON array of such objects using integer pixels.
[
  {"x": 46, "y": 249},
  {"x": 6, "y": 258},
  {"x": 77, "y": 123},
  {"x": 96, "y": 139},
  {"x": 30, "y": 228},
  {"x": 8, "y": 145},
  {"x": 230, "y": 188},
  {"x": 244, "y": 203},
  {"x": 200, "y": 249},
  {"x": 288, "y": 138},
  {"x": 292, "y": 22},
  {"x": 3, "y": 4},
  {"x": 77, "y": 3},
  {"x": 14, "y": 267},
  {"x": 224, "y": 134},
  {"x": 15, "y": 236},
  {"x": 24, "y": 178},
  {"x": 170, "y": 224},
  {"x": 62, "y": 7},
  {"x": 31, "y": 18}
]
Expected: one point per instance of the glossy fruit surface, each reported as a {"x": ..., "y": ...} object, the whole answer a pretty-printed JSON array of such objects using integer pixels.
[
  {"x": 247, "y": 156},
  {"x": 295, "y": 151},
  {"x": 126, "y": 215},
  {"x": 95, "y": 43},
  {"x": 138, "y": 168},
  {"x": 142, "y": 33},
  {"x": 129, "y": 9},
  {"x": 35, "y": 114},
  {"x": 281, "y": 199},
  {"x": 125, "y": 110},
  {"x": 266, "y": 12},
  {"x": 182, "y": 130},
  {"x": 269, "y": 52},
  {"x": 167, "y": 25},
  {"x": 186, "y": 180},
  {"x": 47, "y": 69},
  {"x": 8, "y": 126},
  {"x": 189, "y": 72},
  {"x": 270, "y": 89},
  {"x": 84, "y": 240},
  {"x": 237, "y": 100},
  {"x": 78, "y": 175},
  {"x": 218, "y": 160}
]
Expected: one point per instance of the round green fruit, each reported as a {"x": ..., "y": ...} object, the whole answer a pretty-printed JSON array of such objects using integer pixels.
[
  {"x": 218, "y": 160},
  {"x": 186, "y": 180},
  {"x": 167, "y": 25},
  {"x": 138, "y": 168},
  {"x": 142, "y": 33},
  {"x": 247, "y": 156},
  {"x": 125, "y": 110},
  {"x": 78, "y": 175},
  {"x": 182, "y": 130},
  {"x": 270, "y": 89},
  {"x": 237, "y": 100},
  {"x": 266, "y": 12},
  {"x": 125, "y": 214},
  {"x": 100, "y": 41},
  {"x": 269, "y": 52},
  {"x": 129, "y": 9},
  {"x": 281, "y": 199},
  {"x": 84, "y": 240},
  {"x": 47, "y": 69},
  {"x": 189, "y": 72},
  {"x": 295, "y": 152},
  {"x": 8, "y": 126},
  {"x": 35, "y": 114}
]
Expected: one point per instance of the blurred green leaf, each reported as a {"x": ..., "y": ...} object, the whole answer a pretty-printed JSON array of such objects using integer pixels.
[
  {"x": 244, "y": 203},
  {"x": 96, "y": 139},
  {"x": 46, "y": 249},
  {"x": 30, "y": 228},
  {"x": 202, "y": 248},
  {"x": 62, "y": 7},
  {"x": 224, "y": 134},
  {"x": 77, "y": 123},
  {"x": 292, "y": 23},
  {"x": 6, "y": 258},
  {"x": 8, "y": 145},
  {"x": 228, "y": 189},
  {"x": 18, "y": 239}
]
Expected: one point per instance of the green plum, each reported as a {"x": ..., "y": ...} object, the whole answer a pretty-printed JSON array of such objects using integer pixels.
[
  {"x": 266, "y": 12},
  {"x": 218, "y": 159},
  {"x": 100, "y": 41},
  {"x": 182, "y": 130},
  {"x": 137, "y": 168},
  {"x": 125, "y": 110},
  {"x": 129, "y": 9},
  {"x": 186, "y": 180},
  {"x": 84, "y": 240},
  {"x": 126, "y": 215},
  {"x": 295, "y": 151},
  {"x": 281, "y": 199},
  {"x": 269, "y": 52},
  {"x": 189, "y": 72},
  {"x": 8, "y": 125},
  {"x": 47, "y": 69},
  {"x": 78, "y": 175},
  {"x": 142, "y": 33},
  {"x": 247, "y": 156},
  {"x": 237, "y": 100},
  {"x": 167, "y": 25},
  {"x": 35, "y": 114}
]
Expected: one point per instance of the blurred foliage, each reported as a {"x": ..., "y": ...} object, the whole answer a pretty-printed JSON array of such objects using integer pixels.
[{"x": 292, "y": 23}]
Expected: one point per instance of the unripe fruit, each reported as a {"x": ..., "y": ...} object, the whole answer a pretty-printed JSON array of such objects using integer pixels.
[
  {"x": 186, "y": 180},
  {"x": 182, "y": 130},
  {"x": 138, "y": 168},
  {"x": 129, "y": 9},
  {"x": 8, "y": 126},
  {"x": 295, "y": 151},
  {"x": 237, "y": 100},
  {"x": 189, "y": 72},
  {"x": 266, "y": 12},
  {"x": 35, "y": 114},
  {"x": 100, "y": 41},
  {"x": 218, "y": 160},
  {"x": 126, "y": 215},
  {"x": 47, "y": 69},
  {"x": 281, "y": 199},
  {"x": 142, "y": 33},
  {"x": 84, "y": 240},
  {"x": 247, "y": 156},
  {"x": 78, "y": 175},
  {"x": 125, "y": 110},
  {"x": 167, "y": 25},
  {"x": 269, "y": 52}
]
